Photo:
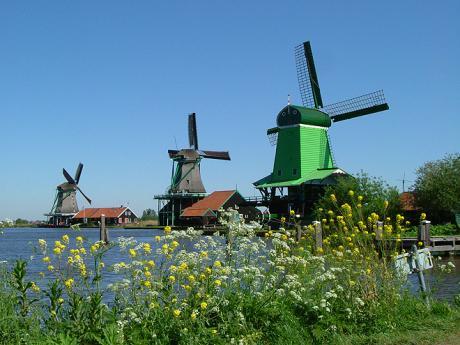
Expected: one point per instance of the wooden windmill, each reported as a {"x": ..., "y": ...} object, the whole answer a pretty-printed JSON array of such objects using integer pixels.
[
  {"x": 186, "y": 185},
  {"x": 186, "y": 177},
  {"x": 65, "y": 203},
  {"x": 303, "y": 160}
]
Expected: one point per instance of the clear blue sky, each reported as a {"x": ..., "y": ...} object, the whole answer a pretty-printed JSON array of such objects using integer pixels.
[{"x": 110, "y": 84}]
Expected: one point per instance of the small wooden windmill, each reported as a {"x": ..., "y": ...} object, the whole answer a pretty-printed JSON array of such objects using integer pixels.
[
  {"x": 65, "y": 203},
  {"x": 186, "y": 185},
  {"x": 303, "y": 160},
  {"x": 186, "y": 176}
]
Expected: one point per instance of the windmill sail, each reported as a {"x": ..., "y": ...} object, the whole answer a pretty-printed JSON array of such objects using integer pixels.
[
  {"x": 192, "y": 133},
  {"x": 223, "y": 155},
  {"x": 358, "y": 106},
  {"x": 78, "y": 173},
  {"x": 306, "y": 76}
]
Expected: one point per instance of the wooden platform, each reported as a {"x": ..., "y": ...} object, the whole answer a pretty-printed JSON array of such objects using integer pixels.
[{"x": 437, "y": 244}]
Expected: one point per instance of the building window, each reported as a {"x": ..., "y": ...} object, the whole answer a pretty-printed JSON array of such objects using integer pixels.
[
  {"x": 120, "y": 220},
  {"x": 294, "y": 171},
  {"x": 279, "y": 172}
]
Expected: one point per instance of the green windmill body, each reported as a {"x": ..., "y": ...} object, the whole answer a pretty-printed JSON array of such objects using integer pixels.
[{"x": 304, "y": 162}]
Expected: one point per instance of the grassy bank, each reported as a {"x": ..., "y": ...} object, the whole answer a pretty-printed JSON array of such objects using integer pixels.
[{"x": 235, "y": 288}]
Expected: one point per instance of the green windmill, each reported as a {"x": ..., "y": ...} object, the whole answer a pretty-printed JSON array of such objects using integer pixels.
[{"x": 304, "y": 162}]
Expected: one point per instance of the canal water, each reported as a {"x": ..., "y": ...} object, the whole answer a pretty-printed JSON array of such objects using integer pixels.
[{"x": 18, "y": 243}]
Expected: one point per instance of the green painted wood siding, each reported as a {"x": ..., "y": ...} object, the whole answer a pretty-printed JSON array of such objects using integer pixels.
[{"x": 299, "y": 151}]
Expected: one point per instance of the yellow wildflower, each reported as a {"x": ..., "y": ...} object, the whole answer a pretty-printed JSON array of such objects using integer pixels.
[
  {"x": 42, "y": 243},
  {"x": 147, "y": 248},
  {"x": 217, "y": 263},
  {"x": 147, "y": 283},
  {"x": 360, "y": 198},
  {"x": 147, "y": 274},
  {"x": 208, "y": 270},
  {"x": 217, "y": 282},
  {"x": 167, "y": 229},
  {"x": 333, "y": 198},
  {"x": 151, "y": 263},
  {"x": 351, "y": 193},
  {"x": 132, "y": 253},
  {"x": 157, "y": 238},
  {"x": 423, "y": 216},
  {"x": 65, "y": 238},
  {"x": 204, "y": 254},
  {"x": 183, "y": 266},
  {"x": 176, "y": 312},
  {"x": 50, "y": 268},
  {"x": 385, "y": 204},
  {"x": 172, "y": 279},
  {"x": 34, "y": 287},
  {"x": 193, "y": 316},
  {"x": 46, "y": 259},
  {"x": 57, "y": 251},
  {"x": 79, "y": 239},
  {"x": 83, "y": 251},
  {"x": 203, "y": 305},
  {"x": 68, "y": 283},
  {"x": 60, "y": 300},
  {"x": 292, "y": 213}
]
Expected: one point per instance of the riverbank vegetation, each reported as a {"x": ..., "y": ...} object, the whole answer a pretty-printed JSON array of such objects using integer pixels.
[{"x": 237, "y": 288}]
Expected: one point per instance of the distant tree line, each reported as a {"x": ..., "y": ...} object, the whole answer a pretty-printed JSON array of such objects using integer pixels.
[
  {"x": 437, "y": 188},
  {"x": 149, "y": 214}
]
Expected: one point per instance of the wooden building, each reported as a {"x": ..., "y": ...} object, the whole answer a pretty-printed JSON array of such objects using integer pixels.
[
  {"x": 206, "y": 211},
  {"x": 113, "y": 215}
]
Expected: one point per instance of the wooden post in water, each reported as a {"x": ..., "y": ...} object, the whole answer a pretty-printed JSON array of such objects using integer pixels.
[
  {"x": 424, "y": 232},
  {"x": 103, "y": 232},
  {"x": 379, "y": 231},
  {"x": 318, "y": 236}
]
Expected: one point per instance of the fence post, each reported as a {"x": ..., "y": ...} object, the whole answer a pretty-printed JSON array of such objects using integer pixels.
[
  {"x": 318, "y": 236},
  {"x": 379, "y": 231},
  {"x": 298, "y": 232},
  {"x": 424, "y": 232},
  {"x": 103, "y": 232}
]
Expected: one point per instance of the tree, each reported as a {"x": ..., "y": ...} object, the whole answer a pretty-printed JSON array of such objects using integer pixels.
[
  {"x": 437, "y": 188},
  {"x": 149, "y": 214},
  {"x": 373, "y": 192}
]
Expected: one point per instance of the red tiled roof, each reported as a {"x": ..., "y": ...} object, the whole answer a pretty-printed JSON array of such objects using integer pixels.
[
  {"x": 109, "y": 212},
  {"x": 197, "y": 212},
  {"x": 212, "y": 202},
  {"x": 408, "y": 201}
]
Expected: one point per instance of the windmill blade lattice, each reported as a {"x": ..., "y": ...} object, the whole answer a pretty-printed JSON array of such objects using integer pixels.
[
  {"x": 358, "y": 106},
  {"x": 306, "y": 76}
]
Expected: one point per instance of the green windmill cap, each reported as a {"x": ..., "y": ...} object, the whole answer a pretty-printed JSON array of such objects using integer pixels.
[{"x": 297, "y": 115}]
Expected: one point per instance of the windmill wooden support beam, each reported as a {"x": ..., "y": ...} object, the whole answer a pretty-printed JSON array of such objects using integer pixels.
[
  {"x": 103, "y": 231},
  {"x": 423, "y": 234}
]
